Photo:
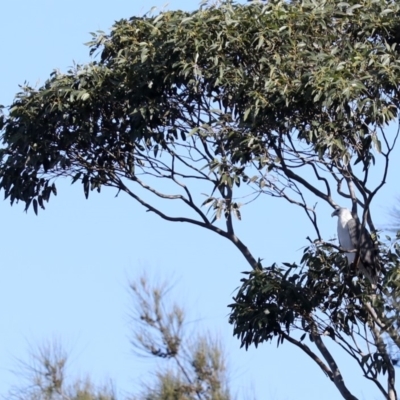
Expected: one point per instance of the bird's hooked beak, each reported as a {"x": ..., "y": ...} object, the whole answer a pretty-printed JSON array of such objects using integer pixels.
[{"x": 335, "y": 213}]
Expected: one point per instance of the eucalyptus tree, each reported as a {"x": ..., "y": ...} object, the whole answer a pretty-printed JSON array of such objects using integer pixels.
[{"x": 295, "y": 100}]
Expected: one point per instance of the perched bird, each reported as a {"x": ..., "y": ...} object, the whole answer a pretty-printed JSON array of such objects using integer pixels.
[{"x": 348, "y": 230}]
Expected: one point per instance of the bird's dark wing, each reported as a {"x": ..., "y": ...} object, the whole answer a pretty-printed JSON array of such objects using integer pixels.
[
  {"x": 353, "y": 229},
  {"x": 368, "y": 251}
]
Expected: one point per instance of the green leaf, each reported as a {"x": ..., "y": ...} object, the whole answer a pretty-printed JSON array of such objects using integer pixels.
[
  {"x": 85, "y": 96},
  {"x": 35, "y": 206},
  {"x": 246, "y": 114},
  {"x": 377, "y": 143}
]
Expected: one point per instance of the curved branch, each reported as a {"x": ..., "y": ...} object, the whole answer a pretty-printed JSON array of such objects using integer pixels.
[
  {"x": 207, "y": 225},
  {"x": 311, "y": 354},
  {"x": 337, "y": 376},
  {"x": 313, "y": 166},
  {"x": 392, "y": 395},
  {"x": 291, "y": 175},
  {"x": 385, "y": 326}
]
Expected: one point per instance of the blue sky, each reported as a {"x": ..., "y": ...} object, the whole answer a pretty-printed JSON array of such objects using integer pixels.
[{"x": 65, "y": 272}]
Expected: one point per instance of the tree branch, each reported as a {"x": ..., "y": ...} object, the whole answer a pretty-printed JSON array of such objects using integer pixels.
[
  {"x": 392, "y": 395},
  {"x": 232, "y": 237},
  {"x": 291, "y": 175},
  {"x": 337, "y": 376},
  {"x": 311, "y": 354}
]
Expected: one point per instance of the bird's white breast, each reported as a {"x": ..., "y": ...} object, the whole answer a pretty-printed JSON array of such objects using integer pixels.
[{"x": 345, "y": 239}]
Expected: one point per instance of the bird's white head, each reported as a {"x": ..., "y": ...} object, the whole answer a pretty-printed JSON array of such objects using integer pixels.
[{"x": 342, "y": 213}]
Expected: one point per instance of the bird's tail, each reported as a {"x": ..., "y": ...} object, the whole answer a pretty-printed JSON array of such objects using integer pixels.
[{"x": 370, "y": 275}]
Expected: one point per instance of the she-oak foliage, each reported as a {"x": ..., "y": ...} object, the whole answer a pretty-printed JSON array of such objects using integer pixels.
[{"x": 238, "y": 101}]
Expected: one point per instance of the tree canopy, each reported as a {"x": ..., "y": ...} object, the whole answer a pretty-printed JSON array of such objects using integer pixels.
[
  {"x": 243, "y": 80},
  {"x": 284, "y": 99}
]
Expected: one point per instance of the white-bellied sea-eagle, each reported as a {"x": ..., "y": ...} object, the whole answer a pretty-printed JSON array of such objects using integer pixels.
[{"x": 348, "y": 230}]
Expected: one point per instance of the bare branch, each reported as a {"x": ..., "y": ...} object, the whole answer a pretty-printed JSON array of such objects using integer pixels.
[
  {"x": 232, "y": 237},
  {"x": 292, "y": 175},
  {"x": 337, "y": 376},
  {"x": 312, "y": 355},
  {"x": 384, "y": 354}
]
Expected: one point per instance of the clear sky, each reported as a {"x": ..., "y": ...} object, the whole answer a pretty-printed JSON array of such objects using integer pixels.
[{"x": 65, "y": 272}]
